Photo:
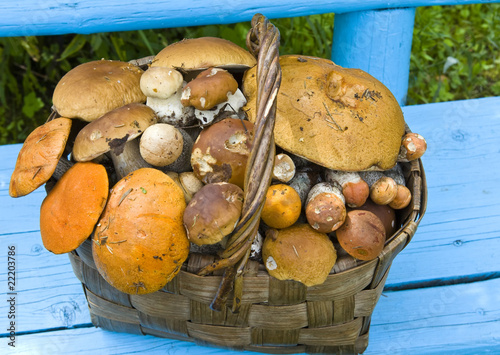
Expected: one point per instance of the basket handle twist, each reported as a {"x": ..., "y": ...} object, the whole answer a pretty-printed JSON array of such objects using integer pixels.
[{"x": 263, "y": 42}]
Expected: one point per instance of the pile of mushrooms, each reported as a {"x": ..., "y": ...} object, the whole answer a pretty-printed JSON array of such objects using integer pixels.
[{"x": 149, "y": 164}]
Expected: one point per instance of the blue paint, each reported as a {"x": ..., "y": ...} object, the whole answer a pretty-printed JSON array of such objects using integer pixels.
[{"x": 378, "y": 42}]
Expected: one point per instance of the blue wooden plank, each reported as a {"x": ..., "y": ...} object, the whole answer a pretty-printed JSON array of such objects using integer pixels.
[
  {"x": 378, "y": 42},
  {"x": 34, "y": 17}
]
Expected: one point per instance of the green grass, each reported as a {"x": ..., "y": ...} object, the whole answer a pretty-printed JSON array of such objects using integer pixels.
[{"x": 454, "y": 56}]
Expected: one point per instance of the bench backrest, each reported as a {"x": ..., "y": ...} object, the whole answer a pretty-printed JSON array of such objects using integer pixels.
[{"x": 371, "y": 35}]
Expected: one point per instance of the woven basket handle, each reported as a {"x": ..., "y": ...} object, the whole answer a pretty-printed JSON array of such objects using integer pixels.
[{"x": 263, "y": 42}]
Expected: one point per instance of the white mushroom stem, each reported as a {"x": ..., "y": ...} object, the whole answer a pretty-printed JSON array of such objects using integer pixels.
[
  {"x": 325, "y": 207},
  {"x": 171, "y": 110},
  {"x": 129, "y": 159},
  {"x": 354, "y": 189},
  {"x": 284, "y": 168}
]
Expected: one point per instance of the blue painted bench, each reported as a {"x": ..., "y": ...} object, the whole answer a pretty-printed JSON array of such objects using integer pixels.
[{"x": 443, "y": 292}]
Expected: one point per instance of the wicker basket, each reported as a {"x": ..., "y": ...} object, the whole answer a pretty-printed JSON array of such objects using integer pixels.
[{"x": 274, "y": 316}]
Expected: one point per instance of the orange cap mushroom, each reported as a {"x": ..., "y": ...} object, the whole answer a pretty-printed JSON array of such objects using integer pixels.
[
  {"x": 355, "y": 190},
  {"x": 38, "y": 158},
  {"x": 282, "y": 206},
  {"x": 413, "y": 146},
  {"x": 383, "y": 191},
  {"x": 402, "y": 199},
  {"x": 72, "y": 208},
  {"x": 325, "y": 207},
  {"x": 140, "y": 243}
]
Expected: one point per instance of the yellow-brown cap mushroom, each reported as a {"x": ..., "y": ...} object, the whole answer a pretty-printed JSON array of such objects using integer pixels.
[
  {"x": 39, "y": 155},
  {"x": 92, "y": 89},
  {"x": 325, "y": 207},
  {"x": 140, "y": 243},
  {"x": 298, "y": 253},
  {"x": 384, "y": 190},
  {"x": 72, "y": 208},
  {"x": 342, "y": 119},
  {"x": 282, "y": 206}
]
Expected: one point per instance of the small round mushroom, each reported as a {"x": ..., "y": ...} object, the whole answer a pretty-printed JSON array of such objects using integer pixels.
[
  {"x": 282, "y": 206},
  {"x": 413, "y": 146},
  {"x": 211, "y": 87},
  {"x": 72, "y": 208},
  {"x": 383, "y": 191},
  {"x": 355, "y": 190},
  {"x": 190, "y": 184},
  {"x": 213, "y": 213},
  {"x": 161, "y": 144},
  {"x": 284, "y": 168},
  {"x": 298, "y": 253},
  {"x": 161, "y": 82},
  {"x": 221, "y": 151},
  {"x": 362, "y": 235},
  {"x": 39, "y": 156},
  {"x": 402, "y": 199},
  {"x": 325, "y": 207}
]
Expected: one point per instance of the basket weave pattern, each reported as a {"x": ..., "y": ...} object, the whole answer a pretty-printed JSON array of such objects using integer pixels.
[{"x": 274, "y": 316}]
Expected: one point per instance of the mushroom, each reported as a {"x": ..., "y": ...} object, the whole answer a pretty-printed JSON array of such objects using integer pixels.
[
  {"x": 72, "y": 208},
  {"x": 385, "y": 213},
  {"x": 221, "y": 151},
  {"x": 92, "y": 89},
  {"x": 383, "y": 191},
  {"x": 282, "y": 206},
  {"x": 163, "y": 88},
  {"x": 161, "y": 144},
  {"x": 325, "y": 207},
  {"x": 362, "y": 235},
  {"x": 229, "y": 108},
  {"x": 284, "y": 168},
  {"x": 115, "y": 133},
  {"x": 210, "y": 88},
  {"x": 402, "y": 199},
  {"x": 213, "y": 213},
  {"x": 190, "y": 184},
  {"x": 413, "y": 146},
  {"x": 39, "y": 156},
  {"x": 140, "y": 243},
  {"x": 355, "y": 190},
  {"x": 339, "y": 118},
  {"x": 298, "y": 253}
]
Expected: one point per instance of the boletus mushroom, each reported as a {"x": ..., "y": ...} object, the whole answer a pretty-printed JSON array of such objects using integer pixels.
[
  {"x": 282, "y": 206},
  {"x": 140, "y": 243},
  {"x": 298, "y": 253}
]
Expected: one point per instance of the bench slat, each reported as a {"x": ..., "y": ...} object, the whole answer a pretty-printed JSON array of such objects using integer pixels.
[{"x": 52, "y": 17}]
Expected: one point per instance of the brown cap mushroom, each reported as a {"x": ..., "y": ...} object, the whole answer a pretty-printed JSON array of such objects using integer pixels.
[
  {"x": 383, "y": 191},
  {"x": 298, "y": 253},
  {"x": 72, "y": 208},
  {"x": 355, "y": 190},
  {"x": 140, "y": 243},
  {"x": 39, "y": 155},
  {"x": 92, "y": 89},
  {"x": 161, "y": 144},
  {"x": 325, "y": 207},
  {"x": 413, "y": 146},
  {"x": 211, "y": 87},
  {"x": 282, "y": 206},
  {"x": 203, "y": 53},
  {"x": 386, "y": 214},
  {"x": 113, "y": 133},
  {"x": 342, "y": 119},
  {"x": 402, "y": 199},
  {"x": 221, "y": 151},
  {"x": 213, "y": 213},
  {"x": 362, "y": 235}
]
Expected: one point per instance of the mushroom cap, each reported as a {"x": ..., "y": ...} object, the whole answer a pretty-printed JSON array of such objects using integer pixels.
[
  {"x": 402, "y": 199},
  {"x": 384, "y": 190},
  {"x": 161, "y": 82},
  {"x": 362, "y": 235},
  {"x": 325, "y": 207},
  {"x": 91, "y": 89},
  {"x": 282, "y": 206},
  {"x": 213, "y": 213},
  {"x": 203, "y": 53},
  {"x": 112, "y": 131},
  {"x": 72, "y": 208},
  {"x": 38, "y": 156},
  {"x": 140, "y": 243},
  {"x": 161, "y": 144},
  {"x": 298, "y": 253},
  {"x": 386, "y": 214},
  {"x": 221, "y": 151},
  {"x": 342, "y": 119}
]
